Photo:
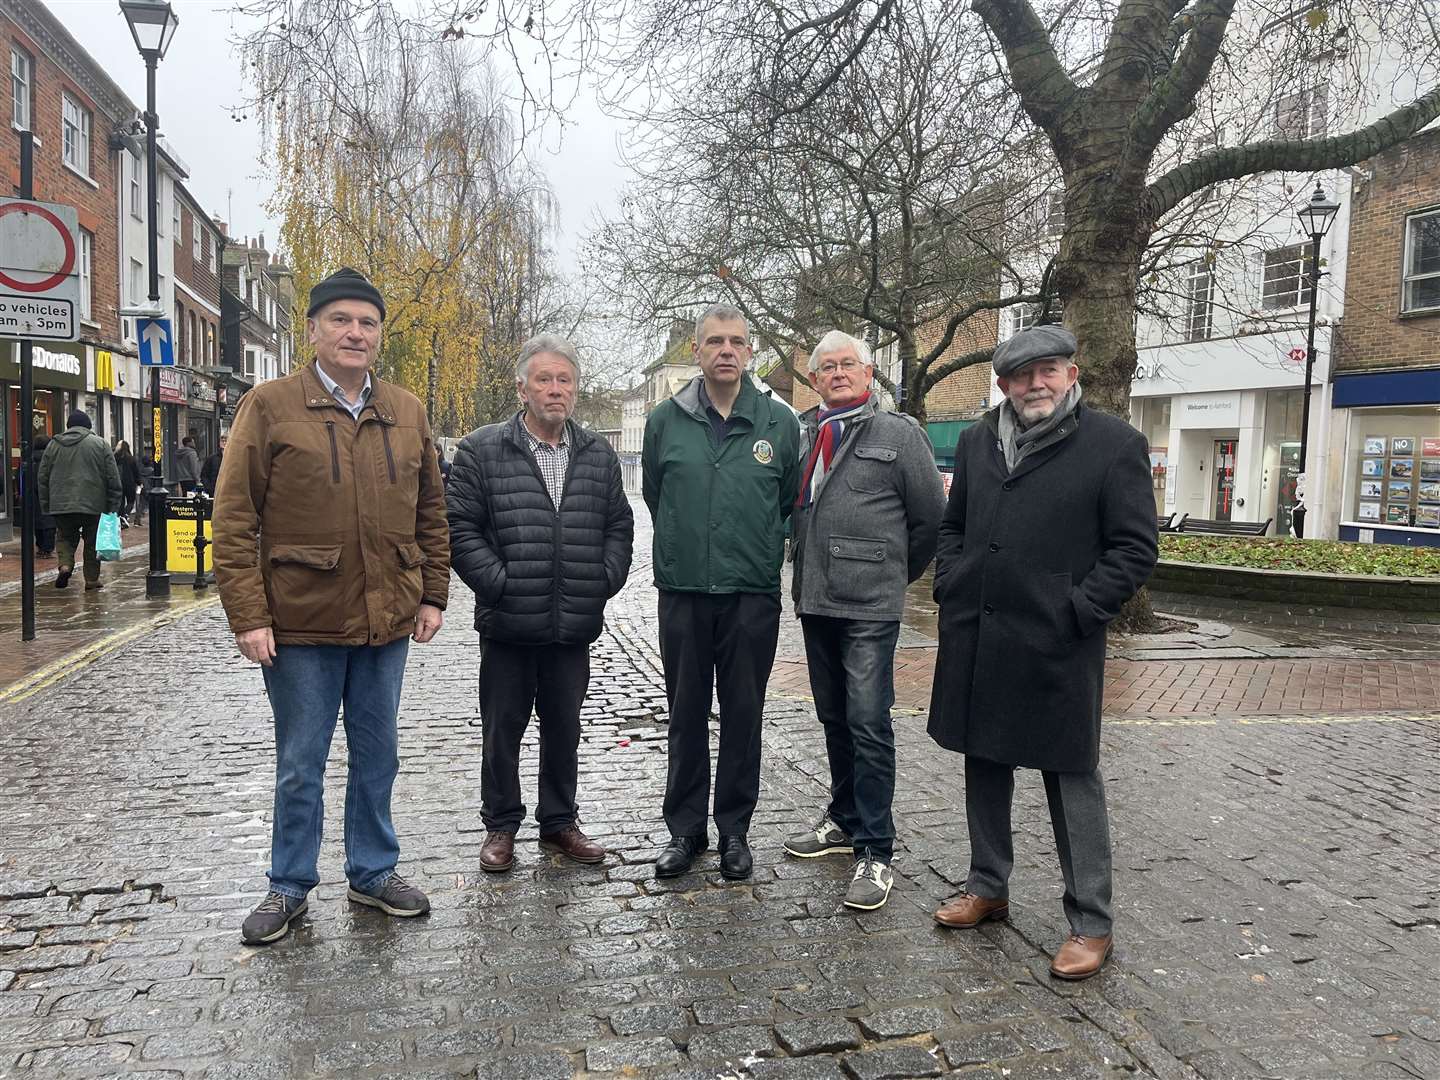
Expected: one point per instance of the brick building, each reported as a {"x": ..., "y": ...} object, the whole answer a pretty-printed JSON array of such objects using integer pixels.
[
  {"x": 78, "y": 116},
  {"x": 1384, "y": 445},
  {"x": 196, "y": 247},
  {"x": 257, "y": 301}
]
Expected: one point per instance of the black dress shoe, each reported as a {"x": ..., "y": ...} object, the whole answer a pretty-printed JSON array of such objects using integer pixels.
[
  {"x": 675, "y": 858},
  {"x": 735, "y": 861}
]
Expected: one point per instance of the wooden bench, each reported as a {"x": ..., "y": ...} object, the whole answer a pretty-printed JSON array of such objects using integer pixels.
[{"x": 1223, "y": 528}]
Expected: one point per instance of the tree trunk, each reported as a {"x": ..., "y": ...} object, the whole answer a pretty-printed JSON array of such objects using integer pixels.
[{"x": 432, "y": 377}]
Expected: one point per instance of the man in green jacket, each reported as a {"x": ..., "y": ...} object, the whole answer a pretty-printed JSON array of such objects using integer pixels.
[
  {"x": 79, "y": 481},
  {"x": 721, "y": 472}
]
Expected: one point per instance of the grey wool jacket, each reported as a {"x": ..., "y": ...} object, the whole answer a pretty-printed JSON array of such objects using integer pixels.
[{"x": 873, "y": 525}]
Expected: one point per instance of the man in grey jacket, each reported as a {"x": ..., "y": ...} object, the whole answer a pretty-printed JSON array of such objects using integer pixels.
[
  {"x": 865, "y": 526},
  {"x": 79, "y": 481}
]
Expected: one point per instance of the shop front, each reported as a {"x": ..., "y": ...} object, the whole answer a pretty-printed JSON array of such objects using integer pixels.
[
  {"x": 1387, "y": 439},
  {"x": 201, "y": 421},
  {"x": 59, "y": 375},
  {"x": 174, "y": 397}
]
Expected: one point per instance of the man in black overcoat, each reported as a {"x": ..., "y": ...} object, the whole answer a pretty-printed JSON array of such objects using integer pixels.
[
  {"x": 1049, "y": 530},
  {"x": 541, "y": 532}
]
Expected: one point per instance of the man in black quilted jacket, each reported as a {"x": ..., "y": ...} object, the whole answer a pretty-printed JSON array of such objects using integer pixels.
[{"x": 541, "y": 531}]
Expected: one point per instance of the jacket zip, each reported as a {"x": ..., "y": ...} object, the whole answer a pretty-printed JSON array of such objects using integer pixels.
[
  {"x": 389, "y": 455},
  {"x": 334, "y": 453}
]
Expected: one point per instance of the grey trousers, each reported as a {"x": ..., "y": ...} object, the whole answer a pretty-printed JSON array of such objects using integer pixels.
[{"x": 1082, "y": 838}]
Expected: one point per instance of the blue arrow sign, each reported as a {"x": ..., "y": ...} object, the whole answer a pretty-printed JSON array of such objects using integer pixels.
[{"x": 157, "y": 347}]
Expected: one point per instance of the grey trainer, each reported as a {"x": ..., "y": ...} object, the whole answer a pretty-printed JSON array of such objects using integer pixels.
[
  {"x": 396, "y": 897},
  {"x": 870, "y": 887},
  {"x": 826, "y": 838},
  {"x": 270, "y": 921}
]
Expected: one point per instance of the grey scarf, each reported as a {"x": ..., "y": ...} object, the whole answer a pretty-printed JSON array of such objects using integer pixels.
[{"x": 1017, "y": 442}]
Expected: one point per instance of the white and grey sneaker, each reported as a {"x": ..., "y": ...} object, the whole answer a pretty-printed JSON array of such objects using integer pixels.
[
  {"x": 870, "y": 887},
  {"x": 826, "y": 838}
]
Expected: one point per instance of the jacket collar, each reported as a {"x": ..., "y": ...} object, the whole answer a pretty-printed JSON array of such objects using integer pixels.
[
  {"x": 746, "y": 407},
  {"x": 575, "y": 435},
  {"x": 317, "y": 397},
  {"x": 810, "y": 418},
  {"x": 1043, "y": 452}
]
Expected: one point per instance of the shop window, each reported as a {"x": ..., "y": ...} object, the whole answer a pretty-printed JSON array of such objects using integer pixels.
[
  {"x": 1286, "y": 282},
  {"x": 1422, "y": 262},
  {"x": 22, "y": 87},
  {"x": 75, "y": 120},
  {"x": 1394, "y": 477},
  {"x": 1199, "y": 292}
]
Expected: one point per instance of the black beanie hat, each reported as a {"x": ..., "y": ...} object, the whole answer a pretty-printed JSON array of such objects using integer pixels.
[
  {"x": 344, "y": 284},
  {"x": 78, "y": 419}
]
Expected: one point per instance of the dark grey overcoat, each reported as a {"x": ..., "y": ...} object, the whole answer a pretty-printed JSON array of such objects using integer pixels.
[{"x": 1031, "y": 567}]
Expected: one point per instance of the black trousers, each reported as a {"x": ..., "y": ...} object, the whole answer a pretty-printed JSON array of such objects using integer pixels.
[
  {"x": 551, "y": 680},
  {"x": 726, "y": 641}
]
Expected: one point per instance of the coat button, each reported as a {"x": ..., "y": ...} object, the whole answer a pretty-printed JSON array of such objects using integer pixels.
[
  {"x": 1007, "y": 485},
  {"x": 834, "y": 551},
  {"x": 988, "y": 610},
  {"x": 994, "y": 547}
]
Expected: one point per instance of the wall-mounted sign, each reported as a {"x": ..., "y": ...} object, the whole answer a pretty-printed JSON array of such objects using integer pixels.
[
  {"x": 173, "y": 385},
  {"x": 57, "y": 363},
  {"x": 1192, "y": 411}
]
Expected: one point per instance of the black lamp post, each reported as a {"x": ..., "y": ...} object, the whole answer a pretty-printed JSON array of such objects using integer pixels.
[
  {"x": 152, "y": 25},
  {"x": 1315, "y": 217}
]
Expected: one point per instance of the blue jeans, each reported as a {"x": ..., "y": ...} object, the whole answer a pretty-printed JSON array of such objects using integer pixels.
[
  {"x": 852, "y": 677},
  {"x": 307, "y": 686}
]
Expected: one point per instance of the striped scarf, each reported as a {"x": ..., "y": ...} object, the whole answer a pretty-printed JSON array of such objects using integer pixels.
[{"x": 827, "y": 439}]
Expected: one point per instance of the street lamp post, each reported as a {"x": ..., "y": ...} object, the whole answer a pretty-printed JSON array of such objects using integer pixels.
[
  {"x": 152, "y": 25},
  {"x": 1315, "y": 217}
]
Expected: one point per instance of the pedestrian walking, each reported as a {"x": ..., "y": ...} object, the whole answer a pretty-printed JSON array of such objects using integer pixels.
[
  {"x": 78, "y": 483},
  {"x": 331, "y": 552},
  {"x": 541, "y": 531},
  {"x": 129, "y": 481},
  {"x": 864, "y": 527},
  {"x": 1049, "y": 530},
  {"x": 210, "y": 471},
  {"x": 44, "y": 523},
  {"x": 146, "y": 463},
  {"x": 720, "y": 473},
  {"x": 187, "y": 466}
]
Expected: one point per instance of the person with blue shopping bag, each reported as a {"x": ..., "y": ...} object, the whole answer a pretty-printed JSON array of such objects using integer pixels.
[{"x": 79, "y": 481}]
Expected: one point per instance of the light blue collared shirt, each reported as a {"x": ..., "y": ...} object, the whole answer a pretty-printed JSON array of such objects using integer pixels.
[{"x": 334, "y": 390}]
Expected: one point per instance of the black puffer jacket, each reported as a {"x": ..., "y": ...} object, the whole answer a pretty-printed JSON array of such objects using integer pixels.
[{"x": 540, "y": 577}]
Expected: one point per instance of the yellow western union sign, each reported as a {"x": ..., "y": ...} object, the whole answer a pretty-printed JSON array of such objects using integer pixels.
[{"x": 180, "y": 538}]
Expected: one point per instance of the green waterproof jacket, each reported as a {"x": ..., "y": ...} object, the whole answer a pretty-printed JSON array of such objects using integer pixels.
[
  {"x": 78, "y": 475},
  {"x": 720, "y": 511}
]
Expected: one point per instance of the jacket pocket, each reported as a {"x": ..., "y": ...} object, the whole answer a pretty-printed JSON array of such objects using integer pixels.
[
  {"x": 872, "y": 469},
  {"x": 306, "y": 588},
  {"x": 409, "y": 583},
  {"x": 855, "y": 569}
]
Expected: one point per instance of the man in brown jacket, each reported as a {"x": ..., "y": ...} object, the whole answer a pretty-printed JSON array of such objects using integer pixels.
[{"x": 331, "y": 552}]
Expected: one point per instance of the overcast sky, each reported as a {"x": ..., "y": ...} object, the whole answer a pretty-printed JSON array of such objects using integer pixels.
[{"x": 199, "y": 91}]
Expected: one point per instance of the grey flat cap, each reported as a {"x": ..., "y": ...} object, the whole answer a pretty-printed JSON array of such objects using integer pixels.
[{"x": 1037, "y": 343}]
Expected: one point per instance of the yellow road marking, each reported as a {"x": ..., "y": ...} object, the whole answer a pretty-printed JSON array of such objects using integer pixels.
[{"x": 53, "y": 672}]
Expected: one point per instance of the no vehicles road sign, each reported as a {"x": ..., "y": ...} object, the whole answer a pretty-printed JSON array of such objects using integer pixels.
[
  {"x": 39, "y": 270},
  {"x": 157, "y": 347}
]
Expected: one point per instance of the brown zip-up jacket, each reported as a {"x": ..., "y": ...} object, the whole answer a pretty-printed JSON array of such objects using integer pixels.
[{"x": 329, "y": 529}]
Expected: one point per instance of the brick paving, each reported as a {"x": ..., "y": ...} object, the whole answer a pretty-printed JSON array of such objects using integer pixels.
[{"x": 1277, "y": 897}]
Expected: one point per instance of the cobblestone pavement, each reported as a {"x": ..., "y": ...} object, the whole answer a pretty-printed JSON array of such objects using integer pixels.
[{"x": 1276, "y": 888}]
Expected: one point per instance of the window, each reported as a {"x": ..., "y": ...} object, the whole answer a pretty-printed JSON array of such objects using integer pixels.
[
  {"x": 1301, "y": 115},
  {"x": 137, "y": 282},
  {"x": 1422, "y": 262},
  {"x": 175, "y": 214},
  {"x": 192, "y": 342},
  {"x": 1022, "y": 317},
  {"x": 1286, "y": 284},
  {"x": 1055, "y": 215},
  {"x": 211, "y": 250},
  {"x": 87, "y": 263},
  {"x": 22, "y": 87},
  {"x": 132, "y": 168},
  {"x": 1199, "y": 287},
  {"x": 195, "y": 241},
  {"x": 250, "y": 363},
  {"x": 76, "y": 122}
]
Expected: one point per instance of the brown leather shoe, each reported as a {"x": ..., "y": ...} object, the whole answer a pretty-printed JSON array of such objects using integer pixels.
[
  {"x": 573, "y": 844},
  {"x": 497, "y": 854},
  {"x": 1081, "y": 957},
  {"x": 968, "y": 910}
]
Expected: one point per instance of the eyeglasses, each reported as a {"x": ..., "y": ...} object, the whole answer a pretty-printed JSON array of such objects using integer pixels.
[{"x": 848, "y": 365}]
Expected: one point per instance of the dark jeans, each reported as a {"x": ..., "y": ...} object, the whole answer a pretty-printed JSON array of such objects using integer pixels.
[
  {"x": 307, "y": 686},
  {"x": 726, "y": 641},
  {"x": 73, "y": 528},
  {"x": 852, "y": 676},
  {"x": 1082, "y": 839},
  {"x": 44, "y": 540},
  {"x": 514, "y": 679}
]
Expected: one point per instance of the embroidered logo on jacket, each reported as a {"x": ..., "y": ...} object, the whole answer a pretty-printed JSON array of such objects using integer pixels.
[{"x": 763, "y": 451}]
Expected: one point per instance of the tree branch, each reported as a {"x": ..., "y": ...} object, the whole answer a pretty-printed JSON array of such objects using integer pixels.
[
  {"x": 954, "y": 364},
  {"x": 1173, "y": 97},
  {"x": 1289, "y": 155},
  {"x": 1044, "y": 87}
]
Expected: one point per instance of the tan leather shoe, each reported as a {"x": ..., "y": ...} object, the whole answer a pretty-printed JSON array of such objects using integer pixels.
[
  {"x": 497, "y": 854},
  {"x": 968, "y": 910},
  {"x": 573, "y": 844},
  {"x": 1081, "y": 957}
]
